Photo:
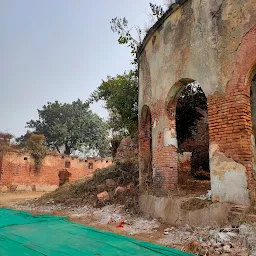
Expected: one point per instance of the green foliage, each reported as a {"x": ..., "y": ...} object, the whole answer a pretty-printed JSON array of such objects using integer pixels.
[
  {"x": 35, "y": 144},
  {"x": 120, "y": 26},
  {"x": 22, "y": 140},
  {"x": 73, "y": 126},
  {"x": 120, "y": 95},
  {"x": 4, "y": 142},
  {"x": 157, "y": 10}
]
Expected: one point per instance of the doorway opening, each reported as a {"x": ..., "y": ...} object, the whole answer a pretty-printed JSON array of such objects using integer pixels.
[{"x": 192, "y": 133}]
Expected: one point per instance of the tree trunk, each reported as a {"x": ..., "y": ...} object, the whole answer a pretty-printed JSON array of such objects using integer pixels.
[
  {"x": 57, "y": 149},
  {"x": 67, "y": 149}
]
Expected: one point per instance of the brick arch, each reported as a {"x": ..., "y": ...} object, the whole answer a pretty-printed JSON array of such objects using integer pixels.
[
  {"x": 244, "y": 71},
  {"x": 245, "y": 64},
  {"x": 172, "y": 99},
  {"x": 183, "y": 165},
  {"x": 145, "y": 148},
  {"x": 175, "y": 91}
]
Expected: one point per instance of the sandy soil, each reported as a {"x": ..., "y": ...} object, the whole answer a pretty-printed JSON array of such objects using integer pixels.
[{"x": 8, "y": 199}]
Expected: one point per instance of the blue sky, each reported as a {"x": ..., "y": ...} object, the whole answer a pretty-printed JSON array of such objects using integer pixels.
[{"x": 59, "y": 50}]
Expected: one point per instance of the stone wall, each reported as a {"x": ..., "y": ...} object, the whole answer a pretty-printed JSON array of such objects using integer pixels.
[
  {"x": 18, "y": 171},
  {"x": 213, "y": 43}
]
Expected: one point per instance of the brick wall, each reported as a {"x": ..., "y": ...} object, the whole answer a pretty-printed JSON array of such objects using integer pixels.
[
  {"x": 230, "y": 125},
  {"x": 145, "y": 151},
  {"x": 164, "y": 169},
  {"x": 18, "y": 170},
  {"x": 230, "y": 120}
]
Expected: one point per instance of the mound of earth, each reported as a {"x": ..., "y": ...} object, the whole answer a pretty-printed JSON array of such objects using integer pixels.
[{"x": 120, "y": 182}]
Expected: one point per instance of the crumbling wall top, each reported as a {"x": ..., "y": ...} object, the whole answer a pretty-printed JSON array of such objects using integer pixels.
[{"x": 154, "y": 28}]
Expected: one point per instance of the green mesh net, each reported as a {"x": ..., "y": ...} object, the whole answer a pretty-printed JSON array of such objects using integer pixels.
[{"x": 24, "y": 234}]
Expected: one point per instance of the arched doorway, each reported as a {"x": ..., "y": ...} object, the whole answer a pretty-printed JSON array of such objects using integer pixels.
[
  {"x": 188, "y": 114},
  {"x": 145, "y": 145}
]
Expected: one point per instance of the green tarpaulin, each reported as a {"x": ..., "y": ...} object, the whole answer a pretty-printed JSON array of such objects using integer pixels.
[{"x": 24, "y": 234}]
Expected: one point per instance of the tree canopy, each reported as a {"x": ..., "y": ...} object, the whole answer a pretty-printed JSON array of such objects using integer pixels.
[
  {"x": 73, "y": 126},
  {"x": 120, "y": 95}
]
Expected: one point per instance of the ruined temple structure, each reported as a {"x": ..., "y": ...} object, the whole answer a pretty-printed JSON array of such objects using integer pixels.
[{"x": 212, "y": 43}]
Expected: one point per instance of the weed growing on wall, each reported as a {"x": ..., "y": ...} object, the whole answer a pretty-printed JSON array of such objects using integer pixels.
[
  {"x": 4, "y": 142},
  {"x": 35, "y": 144}
]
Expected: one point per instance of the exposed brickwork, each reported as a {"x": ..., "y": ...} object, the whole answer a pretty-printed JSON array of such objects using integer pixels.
[
  {"x": 165, "y": 166},
  {"x": 230, "y": 114},
  {"x": 145, "y": 149},
  {"x": 230, "y": 125},
  {"x": 221, "y": 56},
  {"x": 164, "y": 158},
  {"x": 18, "y": 168}
]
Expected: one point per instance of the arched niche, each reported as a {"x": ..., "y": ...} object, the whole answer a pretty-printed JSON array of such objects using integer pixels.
[{"x": 145, "y": 148}]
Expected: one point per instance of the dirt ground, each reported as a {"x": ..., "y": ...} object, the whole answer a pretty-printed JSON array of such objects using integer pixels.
[
  {"x": 8, "y": 199},
  {"x": 198, "y": 240}
]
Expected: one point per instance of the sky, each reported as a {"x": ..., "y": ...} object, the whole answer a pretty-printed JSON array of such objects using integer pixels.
[{"x": 59, "y": 50}]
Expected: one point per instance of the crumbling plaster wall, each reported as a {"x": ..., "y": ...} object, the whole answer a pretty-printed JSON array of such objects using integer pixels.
[{"x": 212, "y": 42}]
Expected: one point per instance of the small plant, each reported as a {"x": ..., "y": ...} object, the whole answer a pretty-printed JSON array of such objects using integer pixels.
[
  {"x": 35, "y": 146},
  {"x": 157, "y": 10},
  {"x": 4, "y": 142}
]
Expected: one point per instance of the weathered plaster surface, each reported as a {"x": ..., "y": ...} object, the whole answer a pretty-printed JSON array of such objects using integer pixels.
[
  {"x": 228, "y": 179},
  {"x": 199, "y": 41},
  {"x": 170, "y": 211},
  {"x": 212, "y": 42}
]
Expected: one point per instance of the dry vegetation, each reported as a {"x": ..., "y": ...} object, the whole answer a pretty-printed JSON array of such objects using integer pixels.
[{"x": 84, "y": 191}]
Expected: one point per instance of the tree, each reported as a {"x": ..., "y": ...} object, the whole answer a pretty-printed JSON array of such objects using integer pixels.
[
  {"x": 120, "y": 26},
  {"x": 120, "y": 95},
  {"x": 127, "y": 35},
  {"x": 73, "y": 126},
  {"x": 5, "y": 139}
]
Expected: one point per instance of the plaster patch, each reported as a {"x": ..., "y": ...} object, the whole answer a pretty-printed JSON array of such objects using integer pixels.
[
  {"x": 254, "y": 155},
  {"x": 155, "y": 123},
  {"x": 170, "y": 211},
  {"x": 169, "y": 139},
  {"x": 228, "y": 179}
]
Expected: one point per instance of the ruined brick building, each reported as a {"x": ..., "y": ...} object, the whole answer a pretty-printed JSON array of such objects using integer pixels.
[
  {"x": 19, "y": 173},
  {"x": 213, "y": 43}
]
